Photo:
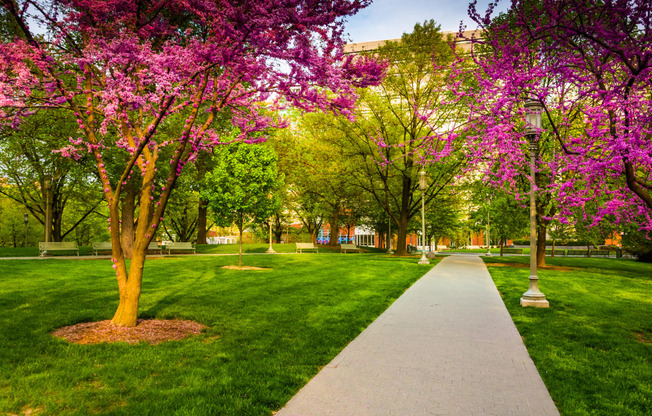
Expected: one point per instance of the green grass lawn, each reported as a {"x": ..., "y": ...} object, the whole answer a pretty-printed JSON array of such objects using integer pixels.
[
  {"x": 268, "y": 332},
  {"x": 593, "y": 346}
]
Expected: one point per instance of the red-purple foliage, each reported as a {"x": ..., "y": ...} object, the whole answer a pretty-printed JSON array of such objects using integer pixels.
[
  {"x": 590, "y": 66},
  {"x": 125, "y": 66}
]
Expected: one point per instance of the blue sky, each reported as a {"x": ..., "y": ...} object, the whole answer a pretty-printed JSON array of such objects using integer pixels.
[{"x": 389, "y": 19}]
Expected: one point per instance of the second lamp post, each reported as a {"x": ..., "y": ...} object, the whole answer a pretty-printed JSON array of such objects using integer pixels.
[
  {"x": 423, "y": 185},
  {"x": 533, "y": 297}
]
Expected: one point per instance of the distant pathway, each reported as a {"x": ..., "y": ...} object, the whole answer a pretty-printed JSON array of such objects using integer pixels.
[{"x": 446, "y": 347}]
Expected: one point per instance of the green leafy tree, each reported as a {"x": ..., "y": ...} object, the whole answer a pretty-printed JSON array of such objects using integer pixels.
[
  {"x": 297, "y": 162},
  {"x": 280, "y": 221},
  {"x": 181, "y": 219},
  {"x": 395, "y": 123},
  {"x": 318, "y": 168},
  {"x": 443, "y": 217},
  {"x": 14, "y": 231},
  {"x": 508, "y": 218},
  {"x": 242, "y": 187},
  {"x": 43, "y": 181},
  {"x": 637, "y": 242}
]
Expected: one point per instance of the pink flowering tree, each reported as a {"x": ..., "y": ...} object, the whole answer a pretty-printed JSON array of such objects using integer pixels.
[
  {"x": 589, "y": 65},
  {"x": 125, "y": 68}
]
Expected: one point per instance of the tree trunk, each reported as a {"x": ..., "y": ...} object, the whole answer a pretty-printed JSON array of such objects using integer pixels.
[
  {"x": 129, "y": 281},
  {"x": 240, "y": 226},
  {"x": 127, "y": 222},
  {"x": 149, "y": 215},
  {"x": 202, "y": 213},
  {"x": 542, "y": 202},
  {"x": 335, "y": 228},
  {"x": 542, "y": 227},
  {"x": 406, "y": 196},
  {"x": 401, "y": 245},
  {"x": 388, "y": 240},
  {"x": 541, "y": 243},
  {"x": 278, "y": 229},
  {"x": 127, "y": 312},
  {"x": 57, "y": 218},
  {"x": 47, "y": 222},
  {"x": 278, "y": 235}
]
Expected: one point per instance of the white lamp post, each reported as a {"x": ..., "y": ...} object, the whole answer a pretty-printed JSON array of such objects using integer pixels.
[
  {"x": 423, "y": 185},
  {"x": 533, "y": 297},
  {"x": 270, "y": 249}
]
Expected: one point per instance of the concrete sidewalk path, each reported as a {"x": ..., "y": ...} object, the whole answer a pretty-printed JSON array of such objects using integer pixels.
[{"x": 446, "y": 347}]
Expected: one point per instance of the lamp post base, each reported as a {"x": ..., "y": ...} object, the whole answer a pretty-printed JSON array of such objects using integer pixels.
[
  {"x": 271, "y": 251},
  {"x": 534, "y": 297},
  {"x": 537, "y": 303},
  {"x": 424, "y": 260}
]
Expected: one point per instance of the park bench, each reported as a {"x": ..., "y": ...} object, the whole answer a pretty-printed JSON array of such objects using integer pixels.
[
  {"x": 155, "y": 247},
  {"x": 180, "y": 246},
  {"x": 57, "y": 246},
  {"x": 349, "y": 247},
  {"x": 306, "y": 246},
  {"x": 101, "y": 246},
  {"x": 556, "y": 253},
  {"x": 604, "y": 253},
  {"x": 512, "y": 251},
  {"x": 577, "y": 252}
]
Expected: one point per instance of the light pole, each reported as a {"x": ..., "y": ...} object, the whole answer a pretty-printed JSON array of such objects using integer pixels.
[
  {"x": 533, "y": 297},
  {"x": 488, "y": 239},
  {"x": 423, "y": 185},
  {"x": 270, "y": 249},
  {"x": 26, "y": 219}
]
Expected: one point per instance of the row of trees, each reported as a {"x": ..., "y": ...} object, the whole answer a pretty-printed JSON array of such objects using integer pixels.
[
  {"x": 348, "y": 173},
  {"x": 137, "y": 92}
]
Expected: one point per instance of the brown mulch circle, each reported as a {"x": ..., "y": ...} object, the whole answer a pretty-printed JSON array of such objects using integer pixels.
[
  {"x": 245, "y": 268},
  {"x": 527, "y": 266},
  {"x": 152, "y": 331}
]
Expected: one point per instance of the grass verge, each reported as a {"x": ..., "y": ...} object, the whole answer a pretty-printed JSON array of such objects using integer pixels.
[
  {"x": 593, "y": 346},
  {"x": 269, "y": 331}
]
